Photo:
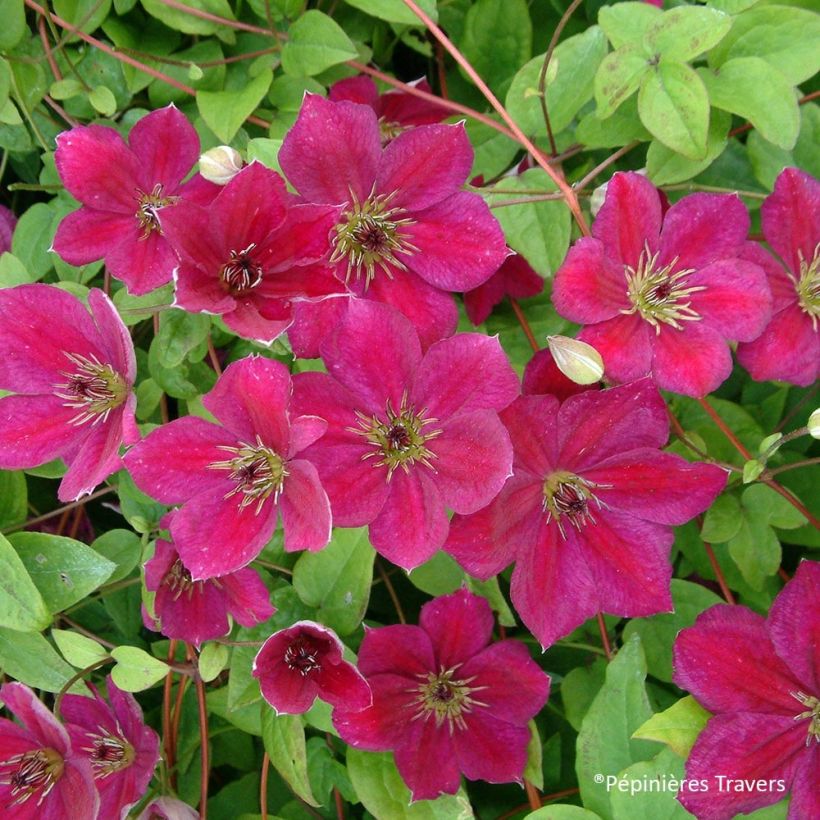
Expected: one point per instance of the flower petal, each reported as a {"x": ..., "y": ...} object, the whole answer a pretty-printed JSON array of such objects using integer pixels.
[
  {"x": 35, "y": 430},
  {"x": 360, "y": 89},
  {"x": 542, "y": 377},
  {"x": 625, "y": 345},
  {"x": 197, "y": 615},
  {"x": 143, "y": 263},
  {"x": 536, "y": 454},
  {"x": 459, "y": 625},
  {"x": 427, "y": 762},
  {"x": 491, "y": 749},
  {"x": 248, "y": 597},
  {"x": 166, "y": 146},
  {"x": 199, "y": 291},
  {"x": 21, "y": 701},
  {"x": 341, "y": 685},
  {"x": 114, "y": 334},
  {"x": 305, "y": 508},
  {"x": 86, "y": 235},
  {"x": 805, "y": 800},
  {"x": 399, "y": 649},
  {"x": 312, "y": 322}
]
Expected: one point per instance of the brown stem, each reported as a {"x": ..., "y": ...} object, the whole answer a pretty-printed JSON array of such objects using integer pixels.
[
  {"x": 168, "y": 744},
  {"x": 59, "y": 511},
  {"x": 533, "y": 795},
  {"x": 263, "y": 786},
  {"x": 213, "y": 357},
  {"x": 727, "y": 593},
  {"x": 203, "y": 735},
  {"x": 601, "y": 166},
  {"x": 74, "y": 678},
  {"x": 391, "y": 591},
  {"x": 806, "y": 462},
  {"x": 604, "y": 636},
  {"x": 525, "y": 325}
]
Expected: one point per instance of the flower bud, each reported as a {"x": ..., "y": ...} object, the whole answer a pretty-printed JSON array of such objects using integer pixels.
[
  {"x": 814, "y": 424},
  {"x": 578, "y": 361},
  {"x": 220, "y": 165}
]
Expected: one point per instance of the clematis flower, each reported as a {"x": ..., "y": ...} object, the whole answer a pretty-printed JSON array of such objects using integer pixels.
[
  {"x": 197, "y": 611},
  {"x": 299, "y": 664},
  {"x": 73, "y": 374},
  {"x": 408, "y": 434},
  {"x": 445, "y": 700},
  {"x": 587, "y": 514},
  {"x": 542, "y": 377},
  {"x": 515, "y": 278},
  {"x": 234, "y": 478},
  {"x": 248, "y": 256},
  {"x": 168, "y": 808},
  {"x": 760, "y": 677},
  {"x": 122, "y": 750},
  {"x": 122, "y": 188},
  {"x": 660, "y": 294},
  {"x": 397, "y": 110},
  {"x": 7, "y": 222},
  {"x": 789, "y": 348},
  {"x": 407, "y": 233},
  {"x": 41, "y": 776}
]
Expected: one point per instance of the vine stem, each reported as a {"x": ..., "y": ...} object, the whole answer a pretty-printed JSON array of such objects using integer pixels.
[
  {"x": 203, "y": 735},
  {"x": 263, "y": 786},
  {"x": 724, "y": 588},
  {"x": 168, "y": 744},
  {"x": 391, "y": 591},
  {"x": 213, "y": 357},
  {"x": 604, "y": 636},
  {"x": 74, "y": 678},
  {"x": 537, "y": 154},
  {"x": 525, "y": 325}
]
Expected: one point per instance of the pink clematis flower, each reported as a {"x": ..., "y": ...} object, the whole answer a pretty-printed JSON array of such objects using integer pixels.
[
  {"x": 761, "y": 680},
  {"x": 248, "y": 256},
  {"x": 660, "y": 294},
  {"x": 197, "y": 611},
  {"x": 73, "y": 373},
  {"x": 234, "y": 478},
  {"x": 41, "y": 776},
  {"x": 588, "y": 511},
  {"x": 397, "y": 110},
  {"x": 515, "y": 278},
  {"x": 789, "y": 348},
  {"x": 168, "y": 808},
  {"x": 7, "y": 223},
  {"x": 445, "y": 700},
  {"x": 407, "y": 233},
  {"x": 299, "y": 664},
  {"x": 408, "y": 434},
  {"x": 122, "y": 750},
  {"x": 122, "y": 188}
]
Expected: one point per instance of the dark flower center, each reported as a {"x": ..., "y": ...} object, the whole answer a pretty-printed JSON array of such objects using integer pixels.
[
  {"x": 178, "y": 581},
  {"x": 568, "y": 497},
  {"x": 660, "y": 294},
  {"x": 241, "y": 274},
  {"x": 303, "y": 656},
  {"x": 812, "y": 714},
  {"x": 256, "y": 470},
  {"x": 808, "y": 286},
  {"x": 370, "y": 235},
  {"x": 110, "y": 753},
  {"x": 31, "y": 773},
  {"x": 445, "y": 697},
  {"x": 92, "y": 388},
  {"x": 147, "y": 211},
  {"x": 398, "y": 440},
  {"x": 390, "y": 130}
]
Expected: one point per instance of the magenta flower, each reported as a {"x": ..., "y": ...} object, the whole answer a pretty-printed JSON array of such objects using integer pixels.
[
  {"x": 789, "y": 348},
  {"x": 408, "y": 435},
  {"x": 248, "y": 256},
  {"x": 445, "y": 700},
  {"x": 73, "y": 374},
  {"x": 122, "y": 750},
  {"x": 299, "y": 664},
  {"x": 661, "y": 293},
  {"x": 122, "y": 188},
  {"x": 588, "y": 511},
  {"x": 761, "y": 680},
  {"x": 41, "y": 776},
  {"x": 234, "y": 478},
  {"x": 543, "y": 378},
  {"x": 197, "y": 611},
  {"x": 397, "y": 110},
  {"x": 407, "y": 233},
  {"x": 7, "y": 222},
  {"x": 515, "y": 278}
]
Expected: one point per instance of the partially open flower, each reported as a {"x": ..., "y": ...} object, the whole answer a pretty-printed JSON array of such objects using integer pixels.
[{"x": 299, "y": 664}]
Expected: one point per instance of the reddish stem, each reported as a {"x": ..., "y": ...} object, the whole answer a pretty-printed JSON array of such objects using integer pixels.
[
  {"x": 525, "y": 325},
  {"x": 263, "y": 786},
  {"x": 203, "y": 735},
  {"x": 52, "y": 63},
  {"x": 533, "y": 795},
  {"x": 604, "y": 636},
  {"x": 727, "y": 593},
  {"x": 167, "y": 735}
]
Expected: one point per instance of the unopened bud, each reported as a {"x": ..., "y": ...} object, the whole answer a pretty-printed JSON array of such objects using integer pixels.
[
  {"x": 578, "y": 361},
  {"x": 220, "y": 165},
  {"x": 814, "y": 424}
]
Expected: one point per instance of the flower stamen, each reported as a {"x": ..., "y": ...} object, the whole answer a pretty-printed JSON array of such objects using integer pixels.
[
  {"x": 445, "y": 698},
  {"x": 808, "y": 286},
  {"x": 812, "y": 714},
  {"x": 93, "y": 388},
  {"x": 303, "y": 656},
  {"x": 109, "y": 753},
  {"x": 241, "y": 274},
  {"x": 149, "y": 205},
  {"x": 30, "y": 773},
  {"x": 568, "y": 496}
]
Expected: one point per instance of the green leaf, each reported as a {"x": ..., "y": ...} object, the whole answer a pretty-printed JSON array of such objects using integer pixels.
[
  {"x": 783, "y": 36},
  {"x": 123, "y": 547},
  {"x": 336, "y": 580},
  {"x": 561, "y": 811},
  {"x": 535, "y": 752},
  {"x": 678, "y": 726},
  {"x": 136, "y": 669},
  {"x": 316, "y": 42},
  {"x": 32, "y": 237},
  {"x": 539, "y": 231},
  {"x": 755, "y": 548},
  {"x": 14, "y": 493},
  {"x": 78, "y": 650},
  {"x": 497, "y": 40},
  {"x": 284, "y": 739},
  {"x": 658, "y": 631},
  {"x": 13, "y": 272},
  {"x": 383, "y": 793},
  {"x": 13, "y": 15},
  {"x": 626, "y": 23},
  {"x": 178, "y": 20},
  {"x": 605, "y": 743},
  {"x": 179, "y": 333},
  {"x": 632, "y": 800},
  {"x": 685, "y": 32},
  {"x": 722, "y": 519},
  {"x": 133, "y": 309},
  {"x": 224, "y": 112},
  {"x": 619, "y": 76},
  {"x": 64, "y": 570},
  {"x": 140, "y": 511},
  {"x": 103, "y": 100},
  {"x": 213, "y": 658},
  {"x": 21, "y": 605},
  {"x": 66, "y": 89},
  {"x": 441, "y": 575},
  {"x": 772, "y": 506},
  {"x": 752, "y": 470},
  {"x": 492, "y": 592},
  {"x": 265, "y": 151},
  {"x": 29, "y": 658},
  {"x": 754, "y": 90},
  {"x": 674, "y": 107},
  {"x": 395, "y": 11},
  {"x": 579, "y": 689},
  {"x": 618, "y": 129},
  {"x": 86, "y": 15},
  {"x": 5, "y": 82}
]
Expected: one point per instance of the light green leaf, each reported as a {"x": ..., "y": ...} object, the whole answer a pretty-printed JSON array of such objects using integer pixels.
[
  {"x": 179, "y": 333},
  {"x": 755, "y": 549},
  {"x": 579, "y": 689},
  {"x": 674, "y": 107},
  {"x": 631, "y": 800},
  {"x": 136, "y": 670},
  {"x": 14, "y": 495},
  {"x": 619, "y": 77},
  {"x": 265, "y": 151},
  {"x": 770, "y": 504},
  {"x": 78, "y": 650},
  {"x": 86, "y": 15},
  {"x": 535, "y": 752},
  {"x": 21, "y": 605},
  {"x": 722, "y": 520},
  {"x": 625, "y": 23},
  {"x": 316, "y": 42},
  {"x": 336, "y": 580},
  {"x": 13, "y": 15},
  {"x": 103, "y": 100},
  {"x": 13, "y": 272},
  {"x": 134, "y": 309},
  {"x": 179, "y": 20},
  {"x": 678, "y": 726},
  {"x": 66, "y": 89},
  {"x": 64, "y": 570},
  {"x": 561, "y": 811},
  {"x": 225, "y": 111},
  {"x": 213, "y": 658},
  {"x": 441, "y": 575},
  {"x": 618, "y": 129},
  {"x": 685, "y": 32},
  {"x": 123, "y": 547},
  {"x": 284, "y": 739},
  {"x": 29, "y": 658},
  {"x": 395, "y": 11},
  {"x": 32, "y": 237}
]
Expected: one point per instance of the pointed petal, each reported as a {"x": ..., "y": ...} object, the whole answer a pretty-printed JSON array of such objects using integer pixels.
[
  {"x": 166, "y": 146},
  {"x": 305, "y": 508},
  {"x": 86, "y": 235},
  {"x": 805, "y": 800},
  {"x": 188, "y": 228},
  {"x": 491, "y": 749},
  {"x": 114, "y": 334},
  {"x": 625, "y": 345},
  {"x": 359, "y": 89},
  {"x": 542, "y": 377},
  {"x": 34, "y": 430},
  {"x": 536, "y": 454},
  {"x": 199, "y": 291},
  {"x": 21, "y": 701},
  {"x": 312, "y": 322},
  {"x": 459, "y": 625},
  {"x": 427, "y": 762},
  {"x": 287, "y": 690},
  {"x": 248, "y": 597},
  {"x": 75, "y": 796},
  {"x": 303, "y": 237},
  {"x": 341, "y": 685},
  {"x": 144, "y": 264},
  {"x": 694, "y": 361},
  {"x": 399, "y": 649},
  {"x": 197, "y": 615},
  {"x": 407, "y": 109}
]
